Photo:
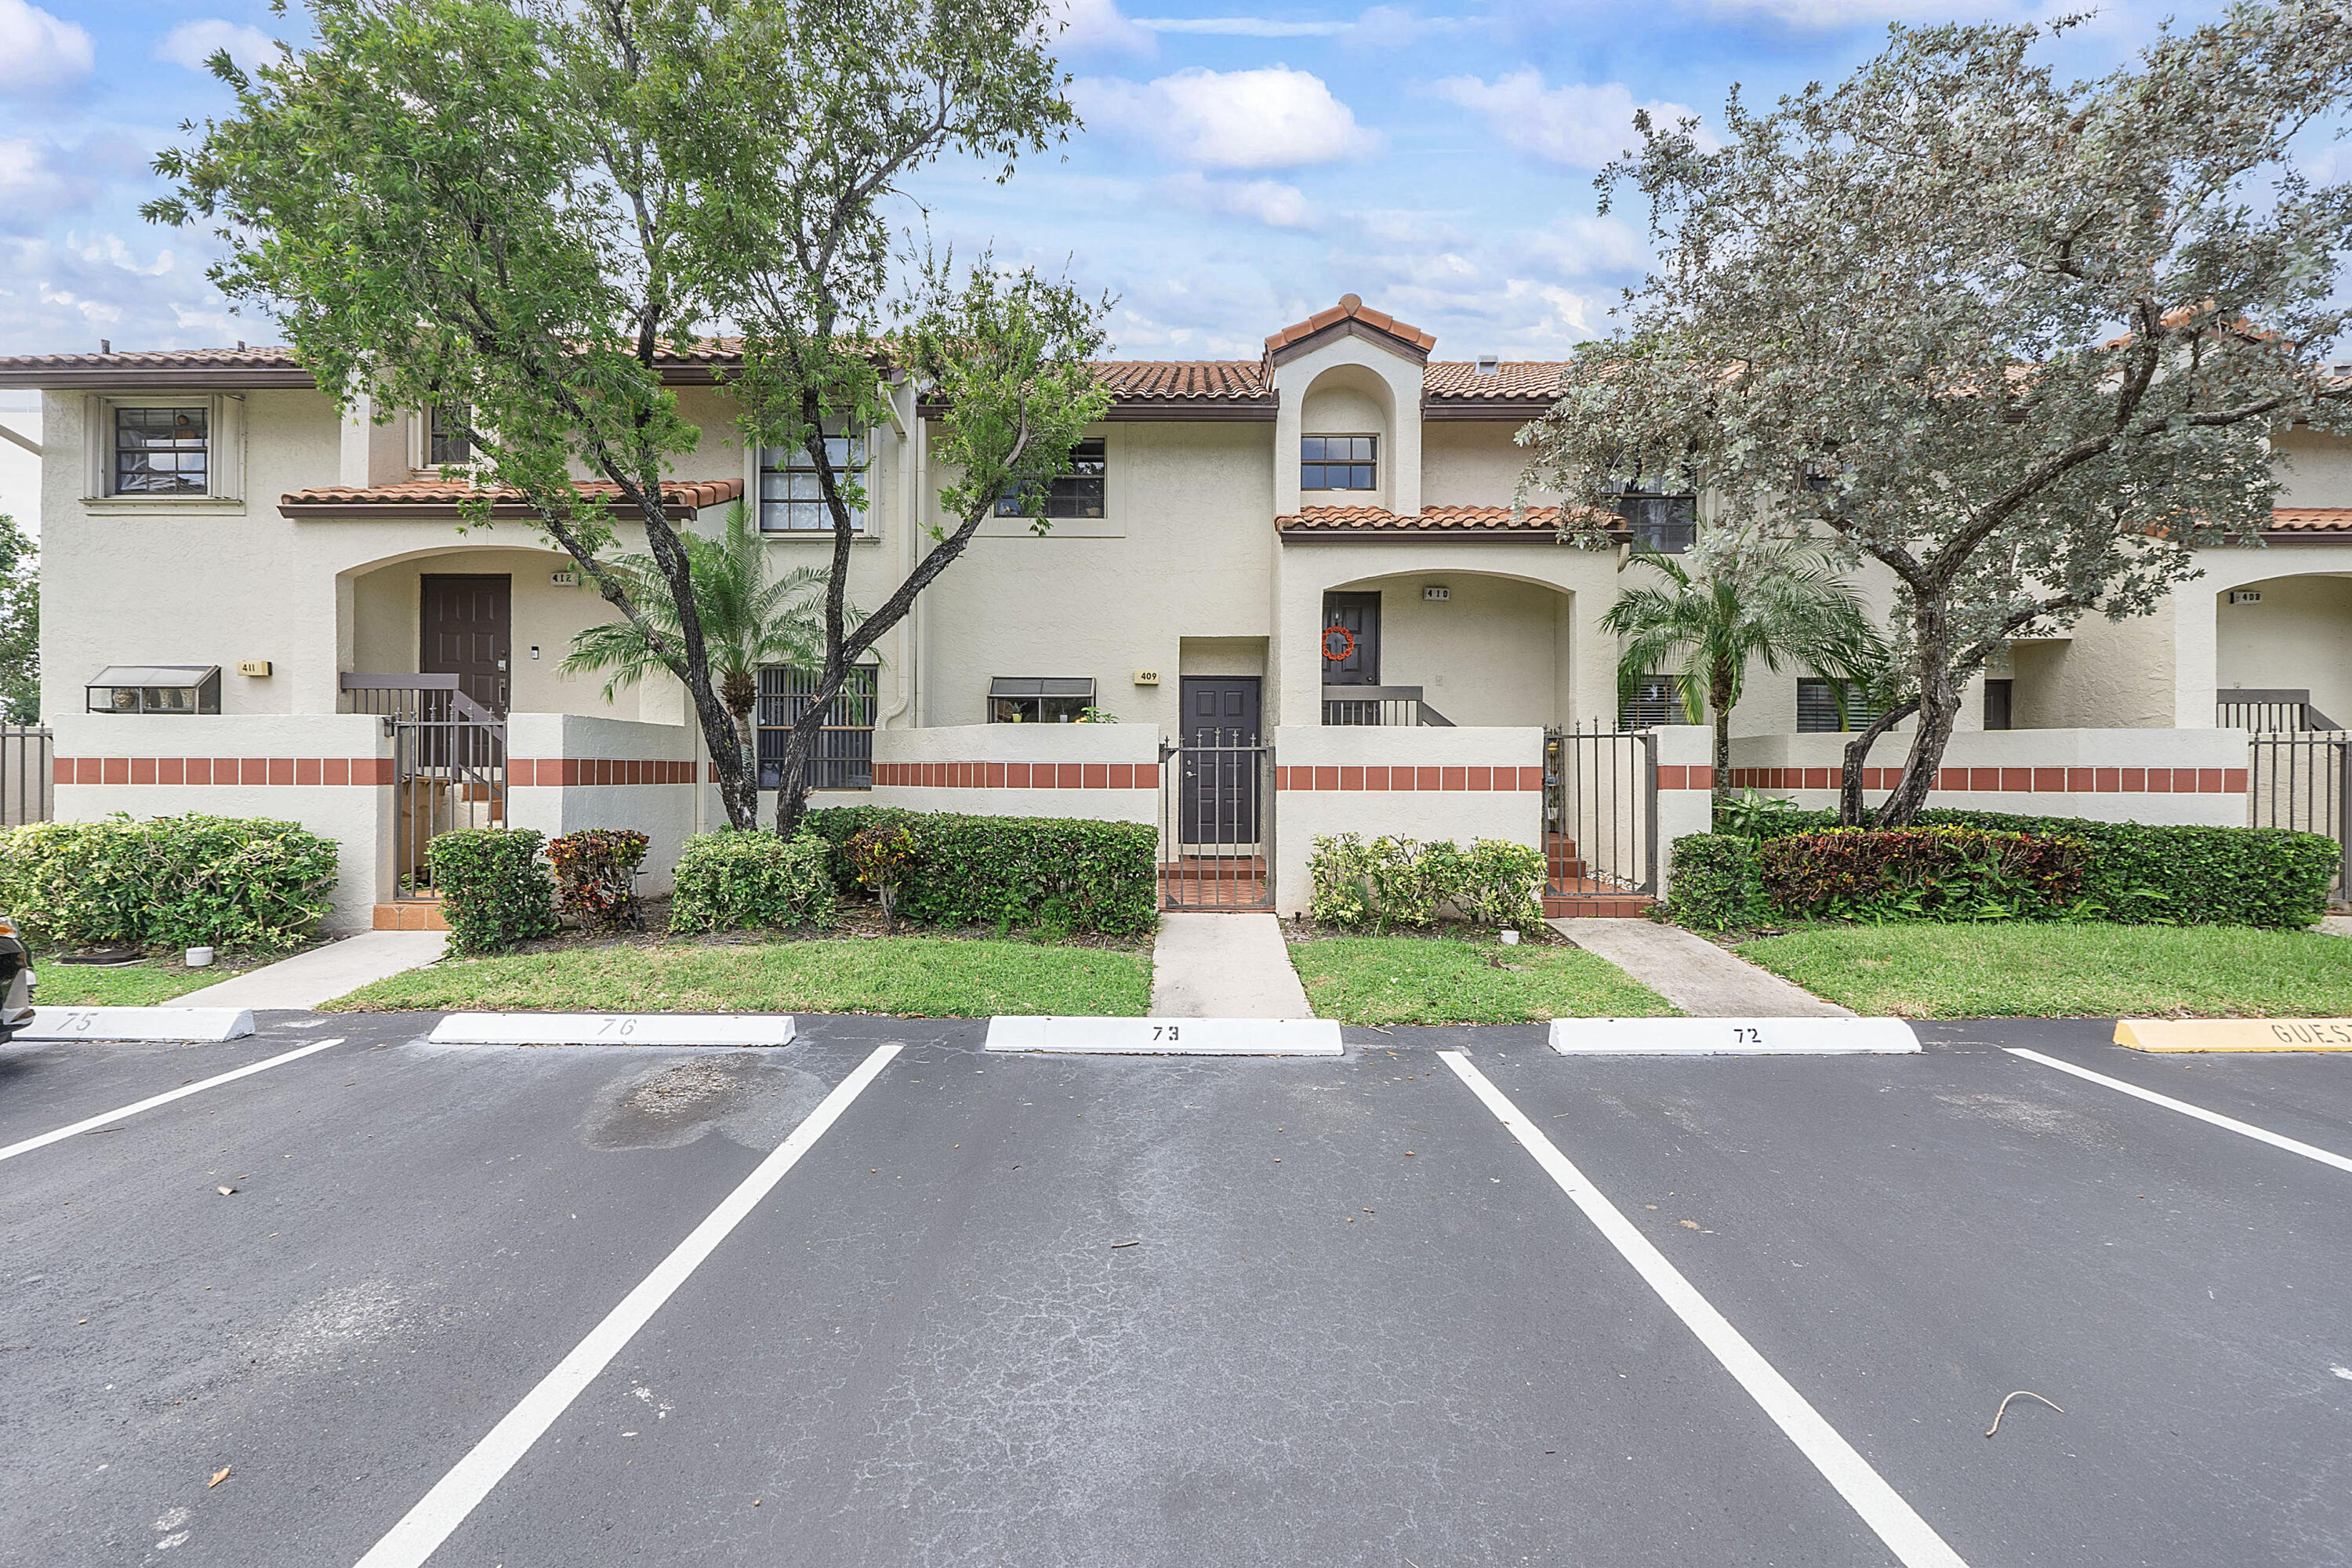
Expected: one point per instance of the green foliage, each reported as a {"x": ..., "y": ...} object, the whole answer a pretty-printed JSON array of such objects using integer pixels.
[
  {"x": 1389, "y": 882},
  {"x": 737, "y": 881},
  {"x": 2162, "y": 875},
  {"x": 2020, "y": 337},
  {"x": 20, "y": 626},
  {"x": 170, "y": 882},
  {"x": 1754, "y": 815},
  {"x": 494, "y": 892},
  {"x": 1055, "y": 872},
  {"x": 1922, "y": 873},
  {"x": 595, "y": 876},
  {"x": 1713, "y": 883},
  {"x": 883, "y": 853}
]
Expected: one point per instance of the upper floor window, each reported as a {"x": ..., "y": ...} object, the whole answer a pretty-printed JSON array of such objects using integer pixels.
[
  {"x": 1077, "y": 492},
  {"x": 1658, "y": 518},
  {"x": 162, "y": 451},
  {"x": 1339, "y": 462},
  {"x": 791, "y": 499},
  {"x": 446, "y": 441}
]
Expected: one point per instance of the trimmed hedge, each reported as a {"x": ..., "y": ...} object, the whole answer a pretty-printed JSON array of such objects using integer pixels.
[
  {"x": 494, "y": 892},
  {"x": 1060, "y": 873},
  {"x": 732, "y": 880},
  {"x": 1714, "y": 883},
  {"x": 2154, "y": 874},
  {"x": 231, "y": 883},
  {"x": 1392, "y": 882},
  {"x": 1922, "y": 873}
]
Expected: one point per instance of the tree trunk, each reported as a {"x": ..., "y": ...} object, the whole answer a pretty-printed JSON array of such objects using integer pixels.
[
  {"x": 1857, "y": 754},
  {"x": 1939, "y": 704},
  {"x": 1719, "y": 698}
]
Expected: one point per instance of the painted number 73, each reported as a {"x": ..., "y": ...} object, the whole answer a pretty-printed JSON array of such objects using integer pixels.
[{"x": 1164, "y": 1031}]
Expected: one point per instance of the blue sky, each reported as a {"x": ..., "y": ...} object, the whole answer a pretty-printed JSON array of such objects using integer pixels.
[{"x": 1240, "y": 169}]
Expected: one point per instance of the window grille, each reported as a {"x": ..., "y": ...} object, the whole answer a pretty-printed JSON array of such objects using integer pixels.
[
  {"x": 843, "y": 757},
  {"x": 1817, "y": 709},
  {"x": 792, "y": 498}
]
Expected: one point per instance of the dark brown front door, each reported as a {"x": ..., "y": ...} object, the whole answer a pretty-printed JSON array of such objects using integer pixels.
[
  {"x": 469, "y": 633},
  {"x": 1219, "y": 739},
  {"x": 1359, "y": 614}
]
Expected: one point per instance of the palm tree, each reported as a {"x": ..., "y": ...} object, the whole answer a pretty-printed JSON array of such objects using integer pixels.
[
  {"x": 749, "y": 620},
  {"x": 1767, "y": 600}
]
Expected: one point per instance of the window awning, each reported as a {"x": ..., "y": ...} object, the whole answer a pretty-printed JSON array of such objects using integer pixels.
[
  {"x": 155, "y": 675},
  {"x": 1041, "y": 686}
]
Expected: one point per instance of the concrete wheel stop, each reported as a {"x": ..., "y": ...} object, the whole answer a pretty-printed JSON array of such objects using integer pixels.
[
  {"x": 201, "y": 1026},
  {"x": 614, "y": 1029},
  {"x": 1732, "y": 1036},
  {"x": 1167, "y": 1036}
]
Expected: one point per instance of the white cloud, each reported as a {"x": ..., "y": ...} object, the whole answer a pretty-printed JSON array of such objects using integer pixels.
[
  {"x": 1100, "y": 27},
  {"x": 191, "y": 44},
  {"x": 1580, "y": 247},
  {"x": 1831, "y": 14},
  {"x": 1269, "y": 202},
  {"x": 37, "y": 51},
  {"x": 36, "y": 183},
  {"x": 1243, "y": 27},
  {"x": 1272, "y": 118},
  {"x": 1383, "y": 27},
  {"x": 1582, "y": 127}
]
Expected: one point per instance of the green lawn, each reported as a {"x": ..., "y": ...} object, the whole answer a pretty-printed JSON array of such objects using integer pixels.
[
  {"x": 142, "y": 984},
  {"x": 909, "y": 976},
  {"x": 1441, "y": 980},
  {"x": 2001, "y": 971}
]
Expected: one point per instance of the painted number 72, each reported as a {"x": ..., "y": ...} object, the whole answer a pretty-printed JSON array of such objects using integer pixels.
[{"x": 1747, "y": 1036}]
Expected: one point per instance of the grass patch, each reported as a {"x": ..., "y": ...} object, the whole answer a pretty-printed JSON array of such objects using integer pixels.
[
  {"x": 2039, "y": 970},
  {"x": 147, "y": 983},
  {"x": 904, "y": 976},
  {"x": 1447, "y": 979}
]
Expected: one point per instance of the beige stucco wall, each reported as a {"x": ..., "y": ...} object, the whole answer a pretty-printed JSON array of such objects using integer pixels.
[
  {"x": 2299, "y": 636},
  {"x": 1498, "y": 650}
]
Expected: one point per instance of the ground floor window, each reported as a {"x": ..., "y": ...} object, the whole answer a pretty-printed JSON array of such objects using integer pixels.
[
  {"x": 844, "y": 758},
  {"x": 1819, "y": 711},
  {"x": 1654, "y": 699},
  {"x": 1039, "y": 699}
]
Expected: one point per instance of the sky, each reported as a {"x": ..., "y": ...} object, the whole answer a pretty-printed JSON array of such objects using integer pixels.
[{"x": 1239, "y": 170}]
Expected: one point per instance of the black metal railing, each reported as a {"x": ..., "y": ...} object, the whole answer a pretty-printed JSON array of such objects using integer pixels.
[
  {"x": 845, "y": 746},
  {"x": 27, "y": 755},
  {"x": 2276, "y": 710},
  {"x": 448, "y": 766},
  {"x": 1601, "y": 811},
  {"x": 2305, "y": 782},
  {"x": 1373, "y": 705},
  {"x": 1216, "y": 822}
]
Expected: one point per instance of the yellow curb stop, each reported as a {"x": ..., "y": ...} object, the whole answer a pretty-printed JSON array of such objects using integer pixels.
[{"x": 2235, "y": 1033}]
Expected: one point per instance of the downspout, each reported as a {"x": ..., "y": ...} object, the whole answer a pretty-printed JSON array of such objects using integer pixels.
[{"x": 903, "y": 676}]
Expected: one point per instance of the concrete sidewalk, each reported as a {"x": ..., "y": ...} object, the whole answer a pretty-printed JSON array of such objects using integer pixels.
[
  {"x": 1224, "y": 966},
  {"x": 1693, "y": 974},
  {"x": 322, "y": 974}
]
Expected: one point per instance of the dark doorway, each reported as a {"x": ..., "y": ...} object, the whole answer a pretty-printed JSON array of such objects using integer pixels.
[
  {"x": 469, "y": 633},
  {"x": 1997, "y": 703},
  {"x": 1219, "y": 751},
  {"x": 1360, "y": 615}
]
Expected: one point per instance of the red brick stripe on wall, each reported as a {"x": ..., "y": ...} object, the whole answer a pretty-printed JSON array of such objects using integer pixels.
[
  {"x": 553, "y": 773},
  {"x": 1016, "y": 775},
  {"x": 206, "y": 772},
  {"x": 1462, "y": 780},
  {"x": 2028, "y": 780}
]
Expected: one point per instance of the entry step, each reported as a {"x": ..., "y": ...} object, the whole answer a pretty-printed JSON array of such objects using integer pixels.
[
  {"x": 1167, "y": 1036},
  {"x": 1731, "y": 1036},
  {"x": 614, "y": 1029}
]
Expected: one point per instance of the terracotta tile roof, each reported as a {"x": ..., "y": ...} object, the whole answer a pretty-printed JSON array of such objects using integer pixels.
[
  {"x": 1537, "y": 380},
  {"x": 2311, "y": 519},
  {"x": 1349, "y": 305},
  {"x": 1182, "y": 379},
  {"x": 270, "y": 366},
  {"x": 678, "y": 495},
  {"x": 1541, "y": 520}
]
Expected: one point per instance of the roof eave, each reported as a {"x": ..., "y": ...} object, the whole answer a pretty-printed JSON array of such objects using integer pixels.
[
  {"x": 499, "y": 512},
  {"x": 1517, "y": 410},
  {"x": 1543, "y": 535}
]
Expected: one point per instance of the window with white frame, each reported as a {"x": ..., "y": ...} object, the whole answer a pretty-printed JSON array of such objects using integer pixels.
[
  {"x": 1077, "y": 492},
  {"x": 162, "y": 449},
  {"x": 792, "y": 496}
]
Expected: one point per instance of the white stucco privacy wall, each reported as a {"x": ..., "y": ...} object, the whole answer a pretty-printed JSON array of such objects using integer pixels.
[
  {"x": 566, "y": 772},
  {"x": 2182, "y": 776},
  {"x": 330, "y": 772},
  {"x": 1414, "y": 783},
  {"x": 1107, "y": 773}
]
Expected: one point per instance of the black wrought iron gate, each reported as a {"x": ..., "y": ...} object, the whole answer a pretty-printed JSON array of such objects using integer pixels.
[
  {"x": 2304, "y": 782},
  {"x": 1216, "y": 822},
  {"x": 1600, "y": 812}
]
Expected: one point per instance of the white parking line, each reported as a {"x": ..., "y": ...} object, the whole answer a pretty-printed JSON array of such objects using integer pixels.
[
  {"x": 1914, "y": 1543},
  {"x": 46, "y": 1139},
  {"x": 2245, "y": 1128},
  {"x": 441, "y": 1510}
]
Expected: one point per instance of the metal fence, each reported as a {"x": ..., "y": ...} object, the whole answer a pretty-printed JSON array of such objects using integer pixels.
[
  {"x": 1601, "y": 811},
  {"x": 844, "y": 758},
  {"x": 2304, "y": 782},
  {"x": 1216, "y": 823},
  {"x": 26, "y": 753}
]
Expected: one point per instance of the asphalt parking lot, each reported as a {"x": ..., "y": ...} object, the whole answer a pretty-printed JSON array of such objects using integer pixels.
[{"x": 521, "y": 1306}]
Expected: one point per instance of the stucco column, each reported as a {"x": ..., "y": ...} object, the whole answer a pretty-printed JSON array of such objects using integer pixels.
[
  {"x": 1296, "y": 649},
  {"x": 2196, "y": 655}
]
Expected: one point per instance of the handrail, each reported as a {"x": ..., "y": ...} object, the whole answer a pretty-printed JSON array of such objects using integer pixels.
[
  {"x": 412, "y": 681},
  {"x": 2298, "y": 698}
]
